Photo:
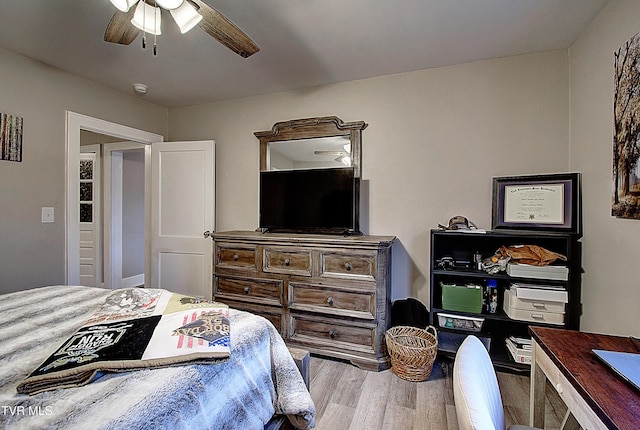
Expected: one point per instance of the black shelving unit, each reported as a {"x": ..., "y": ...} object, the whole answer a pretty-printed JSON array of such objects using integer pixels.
[{"x": 461, "y": 246}]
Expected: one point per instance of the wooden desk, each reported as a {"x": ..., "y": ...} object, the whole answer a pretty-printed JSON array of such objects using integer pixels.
[{"x": 596, "y": 397}]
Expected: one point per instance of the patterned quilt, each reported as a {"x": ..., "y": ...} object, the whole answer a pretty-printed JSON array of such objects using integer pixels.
[
  {"x": 70, "y": 336},
  {"x": 133, "y": 329}
]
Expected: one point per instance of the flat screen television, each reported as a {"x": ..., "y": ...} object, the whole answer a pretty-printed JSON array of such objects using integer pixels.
[{"x": 310, "y": 201}]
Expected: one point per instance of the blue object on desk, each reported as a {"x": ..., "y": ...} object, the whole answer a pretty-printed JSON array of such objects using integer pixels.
[{"x": 625, "y": 364}]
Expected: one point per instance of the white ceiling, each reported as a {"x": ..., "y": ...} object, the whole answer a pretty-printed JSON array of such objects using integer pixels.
[{"x": 303, "y": 43}]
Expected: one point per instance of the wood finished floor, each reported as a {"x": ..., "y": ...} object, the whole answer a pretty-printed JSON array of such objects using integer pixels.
[{"x": 348, "y": 398}]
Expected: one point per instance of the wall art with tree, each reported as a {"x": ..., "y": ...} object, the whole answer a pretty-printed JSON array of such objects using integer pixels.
[
  {"x": 10, "y": 137},
  {"x": 626, "y": 132}
]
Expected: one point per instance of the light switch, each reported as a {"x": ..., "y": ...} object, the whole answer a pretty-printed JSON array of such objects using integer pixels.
[{"x": 47, "y": 215}]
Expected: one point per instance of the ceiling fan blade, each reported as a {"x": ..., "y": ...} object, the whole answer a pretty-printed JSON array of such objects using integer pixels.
[
  {"x": 224, "y": 31},
  {"x": 120, "y": 30}
]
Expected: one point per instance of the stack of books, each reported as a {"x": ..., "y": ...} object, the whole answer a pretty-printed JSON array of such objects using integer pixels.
[{"x": 519, "y": 348}]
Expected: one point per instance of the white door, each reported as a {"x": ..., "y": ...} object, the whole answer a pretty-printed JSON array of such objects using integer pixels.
[
  {"x": 90, "y": 226},
  {"x": 183, "y": 201}
]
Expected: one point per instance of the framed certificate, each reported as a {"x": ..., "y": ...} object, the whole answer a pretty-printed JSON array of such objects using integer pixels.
[{"x": 537, "y": 202}]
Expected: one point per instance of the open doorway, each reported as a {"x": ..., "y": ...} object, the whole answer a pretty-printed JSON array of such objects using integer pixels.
[
  {"x": 125, "y": 164},
  {"x": 75, "y": 124},
  {"x": 112, "y": 211},
  {"x": 179, "y": 208}
]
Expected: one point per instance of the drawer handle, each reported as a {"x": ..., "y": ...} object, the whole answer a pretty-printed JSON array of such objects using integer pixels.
[
  {"x": 332, "y": 334},
  {"x": 540, "y": 305},
  {"x": 330, "y": 301},
  {"x": 348, "y": 267},
  {"x": 537, "y": 316},
  {"x": 247, "y": 290},
  {"x": 236, "y": 257},
  {"x": 287, "y": 262}
]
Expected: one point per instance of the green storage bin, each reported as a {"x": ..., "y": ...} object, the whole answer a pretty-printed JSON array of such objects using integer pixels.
[{"x": 461, "y": 298}]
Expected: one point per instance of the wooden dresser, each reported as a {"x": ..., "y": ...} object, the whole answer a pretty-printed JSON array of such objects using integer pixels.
[{"x": 327, "y": 294}]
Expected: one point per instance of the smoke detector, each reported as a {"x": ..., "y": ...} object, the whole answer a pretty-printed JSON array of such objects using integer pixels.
[{"x": 140, "y": 89}]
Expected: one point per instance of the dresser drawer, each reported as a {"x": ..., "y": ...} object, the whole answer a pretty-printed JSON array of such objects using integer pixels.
[
  {"x": 265, "y": 291},
  {"x": 287, "y": 261},
  {"x": 348, "y": 266},
  {"x": 333, "y": 300},
  {"x": 332, "y": 334},
  {"x": 272, "y": 313},
  {"x": 236, "y": 257}
]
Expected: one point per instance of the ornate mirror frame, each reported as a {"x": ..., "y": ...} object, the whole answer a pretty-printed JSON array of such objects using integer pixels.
[{"x": 312, "y": 128}]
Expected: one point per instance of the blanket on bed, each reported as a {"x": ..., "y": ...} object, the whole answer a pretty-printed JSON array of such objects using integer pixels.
[
  {"x": 258, "y": 379},
  {"x": 135, "y": 328}
]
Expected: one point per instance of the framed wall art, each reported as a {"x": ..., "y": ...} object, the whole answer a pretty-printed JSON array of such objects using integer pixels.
[
  {"x": 10, "y": 137},
  {"x": 626, "y": 145},
  {"x": 550, "y": 202}
]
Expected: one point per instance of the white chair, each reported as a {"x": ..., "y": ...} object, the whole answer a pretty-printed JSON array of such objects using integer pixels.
[{"x": 475, "y": 389}]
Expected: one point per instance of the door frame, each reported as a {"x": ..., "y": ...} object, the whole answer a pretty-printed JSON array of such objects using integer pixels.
[{"x": 74, "y": 123}]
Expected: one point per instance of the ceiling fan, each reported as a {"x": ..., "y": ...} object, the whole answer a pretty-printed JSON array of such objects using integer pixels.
[{"x": 129, "y": 21}]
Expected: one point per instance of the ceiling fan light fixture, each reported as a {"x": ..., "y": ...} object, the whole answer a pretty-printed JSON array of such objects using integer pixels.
[
  {"x": 147, "y": 18},
  {"x": 123, "y": 5},
  {"x": 185, "y": 16},
  {"x": 169, "y": 4}
]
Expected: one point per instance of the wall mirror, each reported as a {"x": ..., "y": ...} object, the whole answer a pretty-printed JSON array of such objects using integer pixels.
[{"x": 312, "y": 143}]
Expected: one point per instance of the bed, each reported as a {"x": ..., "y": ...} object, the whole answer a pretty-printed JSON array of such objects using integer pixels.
[{"x": 257, "y": 385}]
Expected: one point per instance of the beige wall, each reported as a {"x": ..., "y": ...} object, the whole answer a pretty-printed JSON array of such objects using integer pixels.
[
  {"x": 435, "y": 139},
  {"x": 611, "y": 292},
  {"x": 32, "y": 253}
]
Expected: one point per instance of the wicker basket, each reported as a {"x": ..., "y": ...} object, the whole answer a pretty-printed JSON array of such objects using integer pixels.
[{"x": 413, "y": 351}]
